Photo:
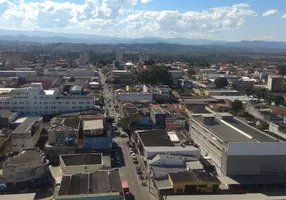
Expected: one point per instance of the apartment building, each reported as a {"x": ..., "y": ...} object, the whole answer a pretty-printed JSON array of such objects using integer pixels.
[
  {"x": 27, "y": 134},
  {"x": 237, "y": 148},
  {"x": 34, "y": 99},
  {"x": 276, "y": 84}
]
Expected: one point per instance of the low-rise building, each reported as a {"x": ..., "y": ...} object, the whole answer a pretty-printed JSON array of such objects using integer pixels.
[
  {"x": 27, "y": 134},
  {"x": 64, "y": 130},
  {"x": 215, "y": 92},
  {"x": 260, "y": 111},
  {"x": 158, "y": 117},
  {"x": 122, "y": 76},
  {"x": 77, "y": 163},
  {"x": 134, "y": 96},
  {"x": 97, "y": 185},
  {"x": 26, "y": 170},
  {"x": 6, "y": 117},
  {"x": 93, "y": 127},
  {"x": 153, "y": 142},
  {"x": 242, "y": 85},
  {"x": 94, "y": 135},
  {"x": 193, "y": 182}
]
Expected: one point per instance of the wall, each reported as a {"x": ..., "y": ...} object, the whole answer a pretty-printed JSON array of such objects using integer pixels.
[
  {"x": 197, "y": 184},
  {"x": 256, "y": 113},
  {"x": 256, "y": 158},
  {"x": 58, "y": 137},
  {"x": 78, "y": 168},
  {"x": 97, "y": 142},
  {"x": 25, "y": 140},
  {"x": 25, "y": 171},
  {"x": 274, "y": 128}
]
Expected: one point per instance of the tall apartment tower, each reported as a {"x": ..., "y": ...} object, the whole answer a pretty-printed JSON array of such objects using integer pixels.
[
  {"x": 143, "y": 57},
  {"x": 84, "y": 57},
  {"x": 119, "y": 55}
]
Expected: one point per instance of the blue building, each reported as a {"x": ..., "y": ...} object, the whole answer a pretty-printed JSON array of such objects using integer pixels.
[{"x": 158, "y": 117}]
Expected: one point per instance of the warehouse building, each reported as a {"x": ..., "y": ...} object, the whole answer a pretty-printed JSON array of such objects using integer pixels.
[
  {"x": 153, "y": 142},
  {"x": 96, "y": 186},
  {"x": 237, "y": 148}
]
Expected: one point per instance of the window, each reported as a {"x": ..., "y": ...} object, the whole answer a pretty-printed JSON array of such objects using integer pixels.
[{"x": 67, "y": 102}]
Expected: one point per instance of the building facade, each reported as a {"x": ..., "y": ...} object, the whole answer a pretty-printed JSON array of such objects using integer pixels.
[
  {"x": 237, "y": 148},
  {"x": 276, "y": 84},
  {"x": 34, "y": 99},
  {"x": 27, "y": 134}
]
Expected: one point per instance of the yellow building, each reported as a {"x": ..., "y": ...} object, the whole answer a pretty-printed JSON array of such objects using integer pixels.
[{"x": 193, "y": 182}]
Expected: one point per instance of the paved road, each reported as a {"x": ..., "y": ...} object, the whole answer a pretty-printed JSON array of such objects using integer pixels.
[{"x": 128, "y": 171}]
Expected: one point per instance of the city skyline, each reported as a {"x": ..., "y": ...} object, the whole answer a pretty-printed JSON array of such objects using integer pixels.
[{"x": 231, "y": 20}]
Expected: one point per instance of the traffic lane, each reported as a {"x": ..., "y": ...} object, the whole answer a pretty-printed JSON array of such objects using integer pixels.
[{"x": 129, "y": 173}]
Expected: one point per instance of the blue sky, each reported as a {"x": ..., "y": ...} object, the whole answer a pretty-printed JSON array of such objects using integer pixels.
[{"x": 231, "y": 20}]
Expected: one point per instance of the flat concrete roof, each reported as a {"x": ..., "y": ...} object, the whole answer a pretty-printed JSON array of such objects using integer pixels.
[
  {"x": 92, "y": 124},
  {"x": 82, "y": 159},
  {"x": 25, "y": 126},
  {"x": 235, "y": 131}
]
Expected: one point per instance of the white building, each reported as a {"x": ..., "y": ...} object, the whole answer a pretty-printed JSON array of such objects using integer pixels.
[
  {"x": 162, "y": 91},
  {"x": 135, "y": 96},
  {"x": 27, "y": 134},
  {"x": 84, "y": 57},
  {"x": 143, "y": 57},
  {"x": 34, "y": 99}
]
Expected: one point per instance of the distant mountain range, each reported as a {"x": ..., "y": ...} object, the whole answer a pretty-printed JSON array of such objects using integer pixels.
[{"x": 50, "y": 37}]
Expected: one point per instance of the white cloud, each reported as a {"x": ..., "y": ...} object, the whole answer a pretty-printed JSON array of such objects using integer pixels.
[
  {"x": 271, "y": 12},
  {"x": 118, "y": 18},
  {"x": 146, "y": 1},
  {"x": 283, "y": 16}
]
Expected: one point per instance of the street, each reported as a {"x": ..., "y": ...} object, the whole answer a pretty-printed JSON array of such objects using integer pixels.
[{"x": 128, "y": 170}]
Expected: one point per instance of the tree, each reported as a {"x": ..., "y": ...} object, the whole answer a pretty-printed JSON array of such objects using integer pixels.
[
  {"x": 128, "y": 123},
  {"x": 236, "y": 106},
  {"x": 191, "y": 72},
  {"x": 282, "y": 69},
  {"x": 221, "y": 82},
  {"x": 155, "y": 75},
  {"x": 279, "y": 100}
]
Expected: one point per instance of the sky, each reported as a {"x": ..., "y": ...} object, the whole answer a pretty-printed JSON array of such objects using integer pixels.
[{"x": 228, "y": 20}]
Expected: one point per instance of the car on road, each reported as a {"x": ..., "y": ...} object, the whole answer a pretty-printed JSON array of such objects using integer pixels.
[
  {"x": 141, "y": 177},
  {"x": 138, "y": 168},
  {"x": 135, "y": 161},
  {"x": 133, "y": 156}
]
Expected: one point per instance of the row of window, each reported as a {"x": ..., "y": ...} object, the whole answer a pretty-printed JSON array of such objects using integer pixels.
[
  {"x": 60, "y": 103},
  {"x": 40, "y": 108}
]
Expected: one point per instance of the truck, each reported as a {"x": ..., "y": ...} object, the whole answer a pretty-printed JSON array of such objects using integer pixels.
[{"x": 125, "y": 189}]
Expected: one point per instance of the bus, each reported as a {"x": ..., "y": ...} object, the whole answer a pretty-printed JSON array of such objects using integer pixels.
[{"x": 125, "y": 190}]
